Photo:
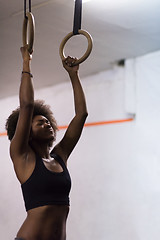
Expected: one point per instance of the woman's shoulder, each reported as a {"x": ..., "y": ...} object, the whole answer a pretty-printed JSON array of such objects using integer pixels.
[{"x": 57, "y": 151}]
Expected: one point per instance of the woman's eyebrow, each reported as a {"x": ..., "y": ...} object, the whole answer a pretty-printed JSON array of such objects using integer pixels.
[{"x": 40, "y": 120}]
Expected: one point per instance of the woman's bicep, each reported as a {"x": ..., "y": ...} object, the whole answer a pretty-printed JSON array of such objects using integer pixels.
[
  {"x": 72, "y": 134},
  {"x": 19, "y": 143}
]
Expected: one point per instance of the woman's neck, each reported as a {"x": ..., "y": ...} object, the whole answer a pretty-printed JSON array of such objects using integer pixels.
[{"x": 43, "y": 150}]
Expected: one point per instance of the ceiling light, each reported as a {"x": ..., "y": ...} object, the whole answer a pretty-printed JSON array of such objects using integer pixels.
[{"x": 84, "y": 1}]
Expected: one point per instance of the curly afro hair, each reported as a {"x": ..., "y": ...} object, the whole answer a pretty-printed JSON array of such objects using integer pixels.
[{"x": 40, "y": 108}]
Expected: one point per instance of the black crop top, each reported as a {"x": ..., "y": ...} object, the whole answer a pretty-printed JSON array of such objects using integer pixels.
[{"x": 45, "y": 187}]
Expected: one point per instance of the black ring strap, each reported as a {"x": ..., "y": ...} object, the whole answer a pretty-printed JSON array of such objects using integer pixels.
[
  {"x": 25, "y": 6},
  {"x": 77, "y": 16}
]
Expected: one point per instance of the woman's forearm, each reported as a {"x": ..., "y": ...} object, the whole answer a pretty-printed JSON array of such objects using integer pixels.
[
  {"x": 26, "y": 93},
  {"x": 79, "y": 97}
]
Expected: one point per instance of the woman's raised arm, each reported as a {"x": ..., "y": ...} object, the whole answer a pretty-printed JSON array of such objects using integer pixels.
[
  {"x": 75, "y": 127},
  {"x": 19, "y": 143}
]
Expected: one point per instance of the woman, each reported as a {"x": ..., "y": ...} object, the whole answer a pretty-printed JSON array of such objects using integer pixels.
[{"x": 43, "y": 174}]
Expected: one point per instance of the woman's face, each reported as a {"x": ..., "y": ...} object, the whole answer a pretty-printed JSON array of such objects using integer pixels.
[{"x": 42, "y": 129}]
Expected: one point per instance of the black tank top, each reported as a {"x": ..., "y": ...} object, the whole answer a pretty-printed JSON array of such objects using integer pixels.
[{"x": 45, "y": 187}]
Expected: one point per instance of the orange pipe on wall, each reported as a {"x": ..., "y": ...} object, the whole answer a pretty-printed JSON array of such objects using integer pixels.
[
  {"x": 90, "y": 124},
  {"x": 101, "y": 123},
  {"x": 3, "y": 134}
]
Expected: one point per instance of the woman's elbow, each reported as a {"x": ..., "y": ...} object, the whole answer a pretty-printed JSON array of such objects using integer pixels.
[{"x": 84, "y": 115}]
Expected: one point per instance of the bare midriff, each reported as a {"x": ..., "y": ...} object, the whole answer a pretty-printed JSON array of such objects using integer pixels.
[{"x": 45, "y": 223}]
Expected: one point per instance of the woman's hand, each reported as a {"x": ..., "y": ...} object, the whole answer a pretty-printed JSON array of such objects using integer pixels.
[
  {"x": 25, "y": 54},
  {"x": 68, "y": 65}
]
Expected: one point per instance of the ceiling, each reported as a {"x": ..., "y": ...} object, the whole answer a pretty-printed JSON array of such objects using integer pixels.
[{"x": 121, "y": 29}]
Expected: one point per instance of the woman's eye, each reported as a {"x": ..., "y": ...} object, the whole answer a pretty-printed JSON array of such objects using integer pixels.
[{"x": 39, "y": 124}]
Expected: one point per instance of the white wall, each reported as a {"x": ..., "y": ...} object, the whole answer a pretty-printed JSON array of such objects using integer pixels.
[{"x": 114, "y": 168}]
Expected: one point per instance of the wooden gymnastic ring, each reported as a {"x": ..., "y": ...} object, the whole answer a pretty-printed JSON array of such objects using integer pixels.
[
  {"x": 28, "y": 39},
  {"x": 88, "y": 51}
]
